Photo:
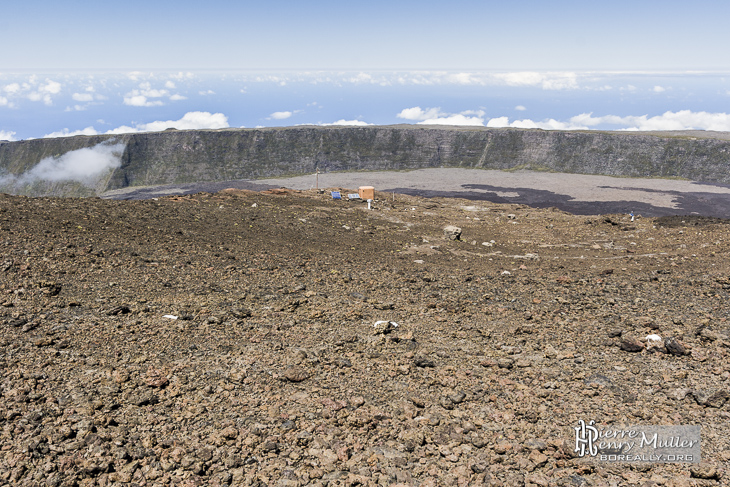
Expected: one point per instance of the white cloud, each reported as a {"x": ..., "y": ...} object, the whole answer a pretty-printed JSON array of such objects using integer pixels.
[
  {"x": 548, "y": 81},
  {"x": 177, "y": 97},
  {"x": 457, "y": 119},
  {"x": 12, "y": 88},
  {"x": 170, "y": 85},
  {"x": 681, "y": 120},
  {"x": 281, "y": 115},
  {"x": 45, "y": 98},
  {"x": 42, "y": 92},
  {"x": 123, "y": 129},
  {"x": 520, "y": 108},
  {"x": 498, "y": 122},
  {"x": 135, "y": 75},
  {"x": 417, "y": 113},
  {"x": 434, "y": 116},
  {"x": 82, "y": 97},
  {"x": 7, "y": 135},
  {"x": 478, "y": 113},
  {"x": 189, "y": 121},
  {"x": 206, "y": 92},
  {"x": 137, "y": 100},
  {"x": 361, "y": 78},
  {"x": 147, "y": 90},
  {"x": 525, "y": 78},
  {"x": 356, "y": 123},
  {"x": 4, "y": 101},
  {"x": 549, "y": 124},
  {"x": 67, "y": 133},
  {"x": 82, "y": 165},
  {"x": 141, "y": 97},
  {"x": 183, "y": 76},
  {"x": 51, "y": 87},
  {"x": 659, "y": 89},
  {"x": 464, "y": 79}
]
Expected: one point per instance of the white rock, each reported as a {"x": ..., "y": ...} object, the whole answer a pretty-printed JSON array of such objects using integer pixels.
[
  {"x": 384, "y": 327},
  {"x": 653, "y": 338},
  {"x": 452, "y": 232}
]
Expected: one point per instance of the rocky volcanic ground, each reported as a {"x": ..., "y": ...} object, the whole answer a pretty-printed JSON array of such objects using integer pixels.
[{"x": 231, "y": 339}]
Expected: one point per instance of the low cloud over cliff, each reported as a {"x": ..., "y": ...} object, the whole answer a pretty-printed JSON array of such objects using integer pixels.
[{"x": 83, "y": 165}]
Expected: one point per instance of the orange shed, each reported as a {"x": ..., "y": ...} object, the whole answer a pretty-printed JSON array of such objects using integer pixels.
[{"x": 366, "y": 192}]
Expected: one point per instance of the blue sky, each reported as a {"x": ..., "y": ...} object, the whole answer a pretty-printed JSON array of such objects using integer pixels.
[
  {"x": 95, "y": 67},
  {"x": 470, "y": 35}
]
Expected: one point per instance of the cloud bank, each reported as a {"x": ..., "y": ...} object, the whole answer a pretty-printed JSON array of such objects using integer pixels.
[
  {"x": 680, "y": 120},
  {"x": 146, "y": 96},
  {"x": 189, "y": 121},
  {"x": 84, "y": 166},
  {"x": 546, "y": 81},
  {"x": 434, "y": 116},
  {"x": 354, "y": 123}
]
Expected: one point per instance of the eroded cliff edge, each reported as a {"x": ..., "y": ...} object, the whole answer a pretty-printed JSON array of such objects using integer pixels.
[{"x": 175, "y": 157}]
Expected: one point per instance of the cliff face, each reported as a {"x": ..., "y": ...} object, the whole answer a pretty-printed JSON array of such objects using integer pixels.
[{"x": 199, "y": 156}]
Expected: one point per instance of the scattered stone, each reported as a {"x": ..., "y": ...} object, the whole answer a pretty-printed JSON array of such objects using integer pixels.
[
  {"x": 631, "y": 345},
  {"x": 424, "y": 362},
  {"x": 710, "y": 398},
  {"x": 116, "y": 310},
  {"x": 384, "y": 327},
  {"x": 295, "y": 374},
  {"x": 273, "y": 373},
  {"x": 502, "y": 447},
  {"x": 674, "y": 346},
  {"x": 536, "y": 444},
  {"x": 598, "y": 379},
  {"x": 704, "y": 470},
  {"x": 505, "y": 363},
  {"x": 156, "y": 378},
  {"x": 18, "y": 322},
  {"x": 452, "y": 232}
]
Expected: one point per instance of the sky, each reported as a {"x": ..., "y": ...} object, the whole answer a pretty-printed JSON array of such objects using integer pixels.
[{"x": 83, "y": 67}]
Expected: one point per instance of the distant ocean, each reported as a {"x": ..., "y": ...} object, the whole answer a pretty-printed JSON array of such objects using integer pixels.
[{"x": 41, "y": 104}]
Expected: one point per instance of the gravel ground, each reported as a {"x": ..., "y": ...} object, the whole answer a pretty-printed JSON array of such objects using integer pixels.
[{"x": 283, "y": 338}]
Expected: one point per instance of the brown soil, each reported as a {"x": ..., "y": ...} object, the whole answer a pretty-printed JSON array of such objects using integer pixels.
[{"x": 273, "y": 372}]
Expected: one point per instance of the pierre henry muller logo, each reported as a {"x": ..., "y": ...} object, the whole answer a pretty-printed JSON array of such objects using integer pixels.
[
  {"x": 650, "y": 443},
  {"x": 585, "y": 438}
]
